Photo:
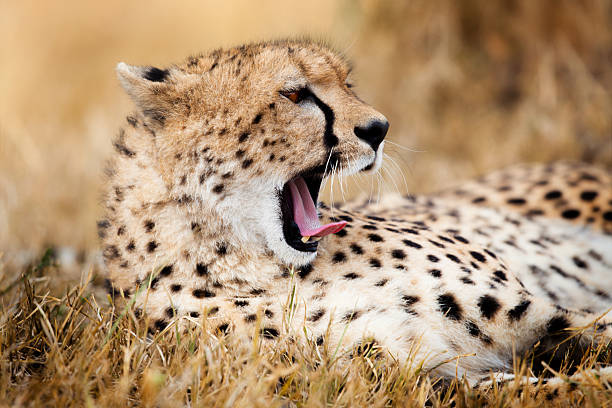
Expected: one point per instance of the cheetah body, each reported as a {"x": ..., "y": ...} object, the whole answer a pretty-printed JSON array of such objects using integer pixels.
[{"x": 193, "y": 215}]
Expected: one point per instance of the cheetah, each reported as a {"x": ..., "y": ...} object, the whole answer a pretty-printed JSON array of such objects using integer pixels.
[{"x": 212, "y": 204}]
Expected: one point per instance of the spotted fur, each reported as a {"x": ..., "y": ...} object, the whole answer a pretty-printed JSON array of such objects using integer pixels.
[{"x": 485, "y": 271}]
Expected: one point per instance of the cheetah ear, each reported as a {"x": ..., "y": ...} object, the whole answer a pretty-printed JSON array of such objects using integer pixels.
[{"x": 149, "y": 88}]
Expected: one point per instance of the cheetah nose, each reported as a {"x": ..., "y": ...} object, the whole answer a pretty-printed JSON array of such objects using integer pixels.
[{"x": 373, "y": 133}]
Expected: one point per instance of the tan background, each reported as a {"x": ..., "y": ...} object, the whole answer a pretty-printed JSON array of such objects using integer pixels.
[{"x": 468, "y": 86}]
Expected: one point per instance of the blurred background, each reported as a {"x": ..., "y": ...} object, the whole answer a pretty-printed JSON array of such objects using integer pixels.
[{"x": 468, "y": 86}]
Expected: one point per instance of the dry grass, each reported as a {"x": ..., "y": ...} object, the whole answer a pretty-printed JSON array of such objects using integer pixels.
[
  {"x": 468, "y": 86},
  {"x": 77, "y": 350}
]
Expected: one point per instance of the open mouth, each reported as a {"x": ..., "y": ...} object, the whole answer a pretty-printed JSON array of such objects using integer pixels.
[{"x": 301, "y": 226}]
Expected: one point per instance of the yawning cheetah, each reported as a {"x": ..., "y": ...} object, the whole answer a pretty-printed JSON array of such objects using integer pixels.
[{"x": 212, "y": 205}]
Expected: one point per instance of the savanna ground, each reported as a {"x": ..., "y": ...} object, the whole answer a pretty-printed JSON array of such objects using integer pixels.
[{"x": 468, "y": 86}]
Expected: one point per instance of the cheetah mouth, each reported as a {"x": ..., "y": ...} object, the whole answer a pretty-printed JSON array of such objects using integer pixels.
[{"x": 298, "y": 202}]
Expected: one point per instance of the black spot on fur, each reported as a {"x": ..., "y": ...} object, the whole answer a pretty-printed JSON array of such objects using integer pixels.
[
  {"x": 166, "y": 271},
  {"x": 316, "y": 315},
  {"x": 241, "y": 303},
  {"x": 152, "y": 246},
  {"x": 351, "y": 315},
  {"x": 375, "y": 238},
  {"x": 488, "y": 306},
  {"x": 223, "y": 328},
  {"x": 439, "y": 245},
  {"x": 412, "y": 244},
  {"x": 571, "y": 214},
  {"x": 472, "y": 328},
  {"x": 588, "y": 195},
  {"x": 461, "y": 239},
  {"x": 247, "y": 163},
  {"x": 433, "y": 258},
  {"x": 257, "y": 118},
  {"x": 453, "y": 258},
  {"x": 102, "y": 226},
  {"x": 501, "y": 275},
  {"x": 478, "y": 256},
  {"x": 479, "y": 200},
  {"x": 176, "y": 287},
  {"x": 557, "y": 324},
  {"x": 580, "y": 263},
  {"x": 436, "y": 273},
  {"x": 153, "y": 283},
  {"x": 375, "y": 263},
  {"x": 131, "y": 246},
  {"x": 160, "y": 324},
  {"x": 205, "y": 175},
  {"x": 449, "y": 306},
  {"x": 407, "y": 302},
  {"x": 111, "y": 252},
  {"x": 195, "y": 315},
  {"x": 381, "y": 283},
  {"x": 218, "y": 188},
  {"x": 467, "y": 281},
  {"x": 221, "y": 249},
  {"x": 398, "y": 254},
  {"x": 169, "y": 312},
  {"x": 201, "y": 269},
  {"x": 203, "y": 293},
  {"x": 339, "y": 257},
  {"x": 491, "y": 254},
  {"x": 351, "y": 275},
  {"x": 244, "y": 136},
  {"x": 607, "y": 216},
  {"x": 155, "y": 74},
  {"x": 516, "y": 201},
  {"x": 304, "y": 271},
  {"x": 517, "y": 311},
  {"x": 356, "y": 249},
  {"x": 553, "y": 195}
]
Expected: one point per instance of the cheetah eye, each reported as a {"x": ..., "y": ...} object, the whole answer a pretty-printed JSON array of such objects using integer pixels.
[
  {"x": 295, "y": 96},
  {"x": 349, "y": 85}
]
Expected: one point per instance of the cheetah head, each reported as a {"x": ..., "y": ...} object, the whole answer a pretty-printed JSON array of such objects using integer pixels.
[{"x": 247, "y": 135}]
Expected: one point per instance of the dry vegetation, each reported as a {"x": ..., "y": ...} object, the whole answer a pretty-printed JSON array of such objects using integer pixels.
[
  {"x": 79, "y": 350},
  {"x": 468, "y": 86}
]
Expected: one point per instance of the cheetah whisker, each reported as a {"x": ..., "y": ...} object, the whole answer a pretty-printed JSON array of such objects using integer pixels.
[
  {"x": 398, "y": 168},
  {"x": 405, "y": 147}
]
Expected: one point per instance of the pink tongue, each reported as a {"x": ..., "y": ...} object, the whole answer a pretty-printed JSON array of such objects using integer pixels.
[{"x": 305, "y": 214}]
